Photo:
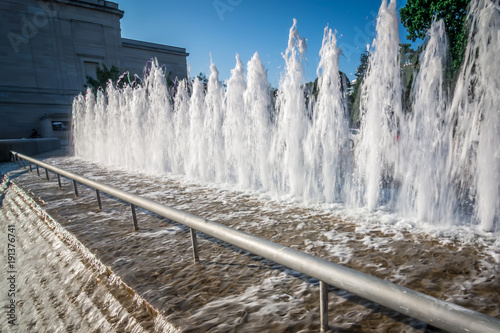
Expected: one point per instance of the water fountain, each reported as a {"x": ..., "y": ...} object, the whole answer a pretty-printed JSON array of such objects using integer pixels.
[
  {"x": 426, "y": 190},
  {"x": 381, "y": 111},
  {"x": 437, "y": 162},
  {"x": 475, "y": 106}
]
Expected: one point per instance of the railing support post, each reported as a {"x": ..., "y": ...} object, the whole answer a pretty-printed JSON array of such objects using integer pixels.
[
  {"x": 47, "y": 174},
  {"x": 98, "y": 197},
  {"x": 76, "y": 188},
  {"x": 59, "y": 180},
  {"x": 194, "y": 243},
  {"x": 31, "y": 170},
  {"x": 24, "y": 164},
  {"x": 18, "y": 160},
  {"x": 323, "y": 306},
  {"x": 38, "y": 170},
  {"x": 134, "y": 216}
]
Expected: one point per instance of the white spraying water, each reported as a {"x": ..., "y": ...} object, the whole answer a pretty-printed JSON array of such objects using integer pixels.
[
  {"x": 258, "y": 111},
  {"x": 426, "y": 190},
  {"x": 381, "y": 111},
  {"x": 437, "y": 162},
  {"x": 327, "y": 150},
  {"x": 291, "y": 120},
  {"x": 235, "y": 139},
  {"x": 476, "y": 108}
]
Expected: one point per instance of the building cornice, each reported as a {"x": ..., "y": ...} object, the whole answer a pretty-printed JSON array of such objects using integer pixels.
[
  {"x": 101, "y": 5},
  {"x": 136, "y": 44}
]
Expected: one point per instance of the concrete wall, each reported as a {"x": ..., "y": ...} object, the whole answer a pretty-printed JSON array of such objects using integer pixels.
[
  {"x": 27, "y": 146},
  {"x": 134, "y": 53},
  {"x": 48, "y": 47}
]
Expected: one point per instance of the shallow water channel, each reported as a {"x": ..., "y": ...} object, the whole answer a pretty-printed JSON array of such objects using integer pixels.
[{"x": 231, "y": 290}]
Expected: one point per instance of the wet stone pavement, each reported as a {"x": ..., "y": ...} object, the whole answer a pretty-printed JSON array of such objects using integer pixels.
[{"x": 231, "y": 290}]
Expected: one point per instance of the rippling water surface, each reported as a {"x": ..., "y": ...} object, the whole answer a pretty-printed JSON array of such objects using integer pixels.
[
  {"x": 55, "y": 284},
  {"x": 232, "y": 290}
]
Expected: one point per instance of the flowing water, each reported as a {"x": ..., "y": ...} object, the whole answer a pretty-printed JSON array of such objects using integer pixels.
[
  {"x": 230, "y": 289},
  {"x": 436, "y": 161},
  {"x": 55, "y": 283}
]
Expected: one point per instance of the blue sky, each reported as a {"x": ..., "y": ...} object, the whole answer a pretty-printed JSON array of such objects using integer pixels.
[{"x": 223, "y": 28}]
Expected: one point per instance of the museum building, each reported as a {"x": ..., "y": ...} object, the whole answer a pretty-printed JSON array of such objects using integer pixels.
[{"x": 48, "y": 48}]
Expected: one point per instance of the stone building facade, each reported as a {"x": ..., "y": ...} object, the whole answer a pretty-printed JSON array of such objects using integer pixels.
[{"x": 47, "y": 48}]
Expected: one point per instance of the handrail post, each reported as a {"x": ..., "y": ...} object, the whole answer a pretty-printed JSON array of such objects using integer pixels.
[
  {"x": 47, "y": 174},
  {"x": 18, "y": 160},
  {"x": 59, "y": 180},
  {"x": 134, "y": 216},
  {"x": 24, "y": 164},
  {"x": 194, "y": 243},
  {"x": 323, "y": 306},
  {"x": 37, "y": 170},
  {"x": 76, "y": 188},
  {"x": 98, "y": 197},
  {"x": 31, "y": 170}
]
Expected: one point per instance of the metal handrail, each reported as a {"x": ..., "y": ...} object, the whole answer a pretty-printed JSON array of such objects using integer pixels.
[{"x": 436, "y": 312}]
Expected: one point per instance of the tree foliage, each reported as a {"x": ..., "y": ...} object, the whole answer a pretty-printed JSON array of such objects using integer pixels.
[
  {"x": 363, "y": 66},
  {"x": 408, "y": 58},
  {"x": 417, "y": 17},
  {"x": 103, "y": 75},
  {"x": 355, "y": 96}
]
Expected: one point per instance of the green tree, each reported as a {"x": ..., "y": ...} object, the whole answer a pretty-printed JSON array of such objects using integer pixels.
[
  {"x": 103, "y": 75},
  {"x": 203, "y": 78},
  {"x": 417, "y": 17},
  {"x": 408, "y": 58},
  {"x": 355, "y": 95},
  {"x": 311, "y": 88}
]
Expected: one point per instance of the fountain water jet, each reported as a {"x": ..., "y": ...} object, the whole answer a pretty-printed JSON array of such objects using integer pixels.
[
  {"x": 437, "y": 162},
  {"x": 196, "y": 140},
  {"x": 427, "y": 138},
  {"x": 235, "y": 128},
  {"x": 327, "y": 148},
  {"x": 258, "y": 109},
  {"x": 381, "y": 110},
  {"x": 292, "y": 120},
  {"x": 475, "y": 107},
  {"x": 213, "y": 135}
]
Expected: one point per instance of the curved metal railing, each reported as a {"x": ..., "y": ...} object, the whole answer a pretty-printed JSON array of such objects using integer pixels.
[{"x": 436, "y": 312}]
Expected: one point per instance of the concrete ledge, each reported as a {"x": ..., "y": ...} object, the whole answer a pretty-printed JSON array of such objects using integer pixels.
[{"x": 27, "y": 146}]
